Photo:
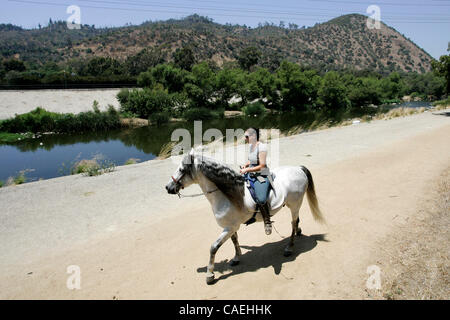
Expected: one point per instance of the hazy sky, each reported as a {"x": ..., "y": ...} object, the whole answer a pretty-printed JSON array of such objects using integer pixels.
[{"x": 427, "y": 23}]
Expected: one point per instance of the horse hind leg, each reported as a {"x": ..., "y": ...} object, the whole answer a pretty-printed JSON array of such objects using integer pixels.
[
  {"x": 295, "y": 231},
  {"x": 235, "y": 261}
]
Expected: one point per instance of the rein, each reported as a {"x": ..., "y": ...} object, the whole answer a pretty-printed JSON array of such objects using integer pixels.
[
  {"x": 195, "y": 195},
  {"x": 191, "y": 195}
]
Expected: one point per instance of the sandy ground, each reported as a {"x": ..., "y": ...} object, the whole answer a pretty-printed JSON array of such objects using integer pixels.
[
  {"x": 64, "y": 101},
  {"x": 132, "y": 240}
]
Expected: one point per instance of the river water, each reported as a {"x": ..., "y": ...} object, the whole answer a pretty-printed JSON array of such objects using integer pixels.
[{"x": 51, "y": 156}]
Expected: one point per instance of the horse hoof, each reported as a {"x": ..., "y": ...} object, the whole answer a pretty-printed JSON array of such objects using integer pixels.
[
  {"x": 234, "y": 263},
  {"x": 210, "y": 280},
  {"x": 299, "y": 232},
  {"x": 287, "y": 252}
]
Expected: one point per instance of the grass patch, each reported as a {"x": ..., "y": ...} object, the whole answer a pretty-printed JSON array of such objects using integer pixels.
[
  {"x": 6, "y": 137},
  {"x": 441, "y": 104},
  {"x": 131, "y": 161},
  {"x": 93, "y": 167}
]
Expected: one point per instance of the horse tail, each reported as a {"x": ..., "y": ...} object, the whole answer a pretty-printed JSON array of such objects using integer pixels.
[{"x": 312, "y": 198}]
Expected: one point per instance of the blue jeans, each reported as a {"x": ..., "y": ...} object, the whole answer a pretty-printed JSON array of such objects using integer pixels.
[{"x": 262, "y": 190}]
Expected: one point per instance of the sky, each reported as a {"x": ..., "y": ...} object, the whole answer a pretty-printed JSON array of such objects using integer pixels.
[{"x": 427, "y": 23}]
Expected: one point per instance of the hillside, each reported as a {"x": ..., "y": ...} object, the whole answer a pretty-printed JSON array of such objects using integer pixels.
[{"x": 342, "y": 42}]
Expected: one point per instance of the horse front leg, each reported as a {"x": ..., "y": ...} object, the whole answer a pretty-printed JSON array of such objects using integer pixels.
[
  {"x": 226, "y": 234},
  {"x": 237, "y": 248}
]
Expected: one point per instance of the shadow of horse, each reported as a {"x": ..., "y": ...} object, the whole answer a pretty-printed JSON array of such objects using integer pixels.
[{"x": 269, "y": 254}]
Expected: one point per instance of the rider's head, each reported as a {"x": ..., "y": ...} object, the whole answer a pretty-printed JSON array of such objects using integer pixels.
[{"x": 252, "y": 135}]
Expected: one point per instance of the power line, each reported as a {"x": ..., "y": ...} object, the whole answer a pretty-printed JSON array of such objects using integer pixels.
[
  {"x": 385, "y": 3},
  {"x": 172, "y": 5},
  {"x": 309, "y": 16}
]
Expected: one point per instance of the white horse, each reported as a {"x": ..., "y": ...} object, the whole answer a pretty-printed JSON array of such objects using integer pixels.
[{"x": 232, "y": 202}]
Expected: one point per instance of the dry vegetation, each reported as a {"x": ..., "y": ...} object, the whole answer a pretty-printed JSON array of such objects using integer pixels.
[{"x": 415, "y": 264}]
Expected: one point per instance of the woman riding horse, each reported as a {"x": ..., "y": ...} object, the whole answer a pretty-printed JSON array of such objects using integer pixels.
[{"x": 257, "y": 167}]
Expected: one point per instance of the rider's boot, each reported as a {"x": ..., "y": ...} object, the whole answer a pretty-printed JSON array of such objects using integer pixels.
[{"x": 266, "y": 217}]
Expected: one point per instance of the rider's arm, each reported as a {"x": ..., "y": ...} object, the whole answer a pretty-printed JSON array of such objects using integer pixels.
[{"x": 262, "y": 162}]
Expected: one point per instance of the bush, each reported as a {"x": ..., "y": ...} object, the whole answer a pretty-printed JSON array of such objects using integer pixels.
[
  {"x": 198, "y": 114},
  {"x": 159, "y": 118},
  {"x": 122, "y": 96},
  {"x": 40, "y": 120},
  {"x": 144, "y": 102},
  {"x": 256, "y": 108}
]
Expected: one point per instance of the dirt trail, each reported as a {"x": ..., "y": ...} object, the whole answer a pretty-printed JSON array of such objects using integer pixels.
[{"x": 364, "y": 196}]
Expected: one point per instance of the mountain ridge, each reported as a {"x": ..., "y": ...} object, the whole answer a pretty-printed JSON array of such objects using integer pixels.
[{"x": 342, "y": 42}]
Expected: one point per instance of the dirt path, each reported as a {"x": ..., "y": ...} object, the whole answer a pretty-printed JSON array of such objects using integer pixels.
[{"x": 369, "y": 180}]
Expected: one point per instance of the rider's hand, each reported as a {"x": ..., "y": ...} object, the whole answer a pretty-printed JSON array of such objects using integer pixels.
[{"x": 243, "y": 170}]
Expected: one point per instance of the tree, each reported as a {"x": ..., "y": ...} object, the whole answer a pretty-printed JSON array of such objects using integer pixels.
[
  {"x": 296, "y": 87},
  {"x": 184, "y": 58},
  {"x": 332, "y": 94},
  {"x": 442, "y": 68},
  {"x": 169, "y": 76},
  {"x": 13, "y": 64},
  {"x": 200, "y": 85},
  {"x": 249, "y": 57},
  {"x": 145, "y": 59}
]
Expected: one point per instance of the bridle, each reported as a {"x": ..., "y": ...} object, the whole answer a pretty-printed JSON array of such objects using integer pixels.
[{"x": 178, "y": 183}]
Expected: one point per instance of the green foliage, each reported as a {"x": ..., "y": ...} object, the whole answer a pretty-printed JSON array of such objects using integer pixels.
[
  {"x": 145, "y": 59},
  {"x": 249, "y": 57},
  {"x": 442, "y": 68},
  {"x": 332, "y": 94},
  {"x": 20, "y": 179},
  {"x": 167, "y": 75},
  {"x": 198, "y": 114},
  {"x": 297, "y": 88},
  {"x": 145, "y": 102},
  {"x": 184, "y": 58},
  {"x": 40, "y": 120},
  {"x": 254, "y": 109},
  {"x": 93, "y": 167},
  {"x": 13, "y": 65},
  {"x": 364, "y": 91},
  {"x": 122, "y": 96},
  {"x": 159, "y": 117},
  {"x": 444, "y": 102}
]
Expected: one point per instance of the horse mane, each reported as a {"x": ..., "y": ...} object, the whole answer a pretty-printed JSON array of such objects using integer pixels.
[{"x": 230, "y": 182}]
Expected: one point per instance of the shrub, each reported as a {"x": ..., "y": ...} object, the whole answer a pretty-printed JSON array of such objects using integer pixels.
[
  {"x": 144, "y": 102},
  {"x": 93, "y": 167},
  {"x": 40, "y": 120},
  {"x": 122, "y": 96},
  {"x": 20, "y": 178},
  {"x": 256, "y": 108},
  {"x": 192, "y": 114},
  {"x": 159, "y": 117},
  {"x": 131, "y": 161}
]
